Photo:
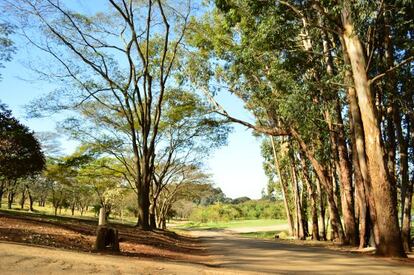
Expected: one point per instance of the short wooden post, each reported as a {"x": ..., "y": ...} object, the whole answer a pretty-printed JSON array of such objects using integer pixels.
[{"x": 102, "y": 216}]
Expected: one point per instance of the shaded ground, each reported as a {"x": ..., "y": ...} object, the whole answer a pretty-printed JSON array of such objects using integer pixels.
[{"x": 78, "y": 234}]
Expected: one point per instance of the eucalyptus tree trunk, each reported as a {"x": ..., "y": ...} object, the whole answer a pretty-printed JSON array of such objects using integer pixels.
[
  {"x": 343, "y": 166},
  {"x": 360, "y": 196},
  {"x": 283, "y": 187},
  {"x": 394, "y": 118},
  {"x": 321, "y": 209},
  {"x": 406, "y": 225},
  {"x": 326, "y": 182},
  {"x": 406, "y": 204},
  {"x": 341, "y": 156},
  {"x": 300, "y": 232},
  {"x": 312, "y": 198},
  {"x": 390, "y": 243}
]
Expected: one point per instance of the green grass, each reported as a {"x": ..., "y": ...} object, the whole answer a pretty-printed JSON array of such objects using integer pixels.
[
  {"x": 48, "y": 212},
  {"x": 231, "y": 224},
  {"x": 261, "y": 235}
]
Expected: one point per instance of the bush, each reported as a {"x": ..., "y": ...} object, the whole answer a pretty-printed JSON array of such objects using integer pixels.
[{"x": 252, "y": 209}]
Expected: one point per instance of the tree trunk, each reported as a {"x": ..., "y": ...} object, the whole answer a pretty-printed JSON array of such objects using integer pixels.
[
  {"x": 341, "y": 156},
  {"x": 10, "y": 199},
  {"x": 143, "y": 208},
  {"x": 322, "y": 210},
  {"x": 31, "y": 201},
  {"x": 390, "y": 243},
  {"x": 406, "y": 203},
  {"x": 152, "y": 216},
  {"x": 360, "y": 200},
  {"x": 406, "y": 226},
  {"x": 23, "y": 198},
  {"x": 2, "y": 188},
  {"x": 299, "y": 233},
  {"x": 284, "y": 188},
  {"x": 325, "y": 180},
  {"x": 312, "y": 197},
  {"x": 347, "y": 198}
]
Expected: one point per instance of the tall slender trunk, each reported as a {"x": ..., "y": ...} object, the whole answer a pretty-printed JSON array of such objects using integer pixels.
[
  {"x": 325, "y": 181},
  {"x": 341, "y": 156},
  {"x": 391, "y": 108},
  {"x": 343, "y": 166},
  {"x": 312, "y": 197},
  {"x": 10, "y": 199},
  {"x": 347, "y": 192},
  {"x": 334, "y": 227},
  {"x": 23, "y": 198},
  {"x": 300, "y": 233},
  {"x": 360, "y": 196},
  {"x": 284, "y": 188},
  {"x": 390, "y": 243},
  {"x": 322, "y": 209},
  {"x": 406, "y": 226},
  {"x": 2, "y": 187},
  {"x": 406, "y": 203},
  {"x": 31, "y": 199},
  {"x": 359, "y": 152}
]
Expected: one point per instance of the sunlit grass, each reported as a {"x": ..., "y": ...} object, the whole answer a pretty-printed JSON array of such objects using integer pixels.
[
  {"x": 262, "y": 234},
  {"x": 231, "y": 224}
]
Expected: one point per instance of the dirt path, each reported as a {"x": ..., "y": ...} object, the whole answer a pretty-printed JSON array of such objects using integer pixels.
[
  {"x": 23, "y": 259},
  {"x": 228, "y": 255},
  {"x": 279, "y": 257}
]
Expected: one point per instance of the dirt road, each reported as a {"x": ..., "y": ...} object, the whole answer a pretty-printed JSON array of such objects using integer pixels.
[
  {"x": 228, "y": 255},
  {"x": 279, "y": 257}
]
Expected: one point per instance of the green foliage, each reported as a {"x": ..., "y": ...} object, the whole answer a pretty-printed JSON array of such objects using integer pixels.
[
  {"x": 6, "y": 44},
  {"x": 252, "y": 209},
  {"x": 20, "y": 152}
]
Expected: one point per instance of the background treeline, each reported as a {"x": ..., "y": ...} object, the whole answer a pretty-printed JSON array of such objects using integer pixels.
[{"x": 247, "y": 210}]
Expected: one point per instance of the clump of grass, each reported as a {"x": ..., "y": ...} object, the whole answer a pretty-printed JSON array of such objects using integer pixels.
[{"x": 265, "y": 234}]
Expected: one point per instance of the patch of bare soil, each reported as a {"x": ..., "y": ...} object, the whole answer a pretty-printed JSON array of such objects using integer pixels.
[{"x": 79, "y": 235}]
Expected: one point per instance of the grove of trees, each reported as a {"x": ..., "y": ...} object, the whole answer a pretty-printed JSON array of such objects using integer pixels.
[{"x": 329, "y": 84}]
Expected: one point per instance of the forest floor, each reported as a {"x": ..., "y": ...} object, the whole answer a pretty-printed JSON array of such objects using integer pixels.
[{"x": 43, "y": 245}]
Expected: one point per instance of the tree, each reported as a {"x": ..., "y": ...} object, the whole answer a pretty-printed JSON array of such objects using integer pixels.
[
  {"x": 20, "y": 152},
  {"x": 118, "y": 65}
]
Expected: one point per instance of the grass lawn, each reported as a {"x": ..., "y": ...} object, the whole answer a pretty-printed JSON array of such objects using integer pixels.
[
  {"x": 261, "y": 235},
  {"x": 231, "y": 224}
]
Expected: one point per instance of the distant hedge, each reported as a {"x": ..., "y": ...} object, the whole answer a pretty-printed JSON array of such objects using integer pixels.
[{"x": 252, "y": 209}]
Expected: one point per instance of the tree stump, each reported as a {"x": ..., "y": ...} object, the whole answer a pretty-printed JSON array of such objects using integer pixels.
[{"x": 106, "y": 239}]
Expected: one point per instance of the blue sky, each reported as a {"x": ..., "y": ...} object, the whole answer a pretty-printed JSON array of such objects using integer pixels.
[{"x": 236, "y": 168}]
